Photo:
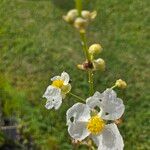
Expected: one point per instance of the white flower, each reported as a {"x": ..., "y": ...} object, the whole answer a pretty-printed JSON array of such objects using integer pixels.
[
  {"x": 57, "y": 91},
  {"x": 81, "y": 123}
]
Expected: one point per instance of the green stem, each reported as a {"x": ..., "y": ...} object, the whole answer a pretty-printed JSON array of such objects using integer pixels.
[
  {"x": 113, "y": 86},
  {"x": 84, "y": 45},
  {"x": 76, "y": 96},
  {"x": 79, "y": 6},
  {"x": 91, "y": 81}
]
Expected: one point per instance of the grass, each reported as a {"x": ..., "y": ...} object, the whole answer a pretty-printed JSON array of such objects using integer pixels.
[{"x": 35, "y": 44}]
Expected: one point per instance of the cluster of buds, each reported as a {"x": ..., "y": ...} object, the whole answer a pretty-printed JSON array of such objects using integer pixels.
[
  {"x": 80, "y": 21},
  {"x": 93, "y": 64}
]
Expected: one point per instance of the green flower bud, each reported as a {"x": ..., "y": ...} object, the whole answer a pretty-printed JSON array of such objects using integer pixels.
[
  {"x": 99, "y": 64},
  {"x": 95, "y": 49}
]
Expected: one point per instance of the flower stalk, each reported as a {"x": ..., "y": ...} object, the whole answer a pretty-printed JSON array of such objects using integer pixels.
[
  {"x": 91, "y": 81},
  {"x": 94, "y": 115},
  {"x": 79, "y": 6},
  {"x": 85, "y": 49},
  {"x": 84, "y": 45}
]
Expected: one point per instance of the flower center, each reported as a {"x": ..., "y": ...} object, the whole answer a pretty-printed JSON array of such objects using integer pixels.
[
  {"x": 58, "y": 83},
  {"x": 95, "y": 125}
]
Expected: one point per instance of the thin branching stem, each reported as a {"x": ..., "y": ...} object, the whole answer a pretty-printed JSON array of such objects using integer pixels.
[
  {"x": 76, "y": 96},
  {"x": 113, "y": 86}
]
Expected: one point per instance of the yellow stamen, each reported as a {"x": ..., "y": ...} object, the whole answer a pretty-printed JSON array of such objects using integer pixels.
[
  {"x": 58, "y": 83},
  {"x": 95, "y": 125}
]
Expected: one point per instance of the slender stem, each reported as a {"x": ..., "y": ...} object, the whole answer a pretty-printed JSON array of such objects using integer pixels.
[
  {"x": 87, "y": 55},
  {"x": 113, "y": 86},
  {"x": 84, "y": 45},
  {"x": 79, "y": 6},
  {"x": 76, "y": 96},
  {"x": 91, "y": 82}
]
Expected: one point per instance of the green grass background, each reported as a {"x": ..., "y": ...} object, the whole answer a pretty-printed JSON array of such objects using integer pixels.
[{"x": 36, "y": 44}]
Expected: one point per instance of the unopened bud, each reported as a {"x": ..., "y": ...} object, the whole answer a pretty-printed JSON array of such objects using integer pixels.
[
  {"x": 80, "y": 66},
  {"x": 80, "y": 23},
  {"x": 93, "y": 15},
  {"x": 71, "y": 16},
  {"x": 99, "y": 64},
  {"x": 95, "y": 49},
  {"x": 88, "y": 15},
  {"x": 121, "y": 84}
]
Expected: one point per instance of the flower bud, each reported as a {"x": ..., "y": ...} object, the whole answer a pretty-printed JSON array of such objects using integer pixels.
[
  {"x": 99, "y": 64},
  {"x": 93, "y": 15},
  {"x": 80, "y": 23},
  {"x": 95, "y": 49},
  {"x": 88, "y": 15},
  {"x": 71, "y": 16},
  {"x": 80, "y": 66},
  {"x": 121, "y": 84}
]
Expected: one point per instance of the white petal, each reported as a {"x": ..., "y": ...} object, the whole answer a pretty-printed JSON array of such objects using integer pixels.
[
  {"x": 109, "y": 94},
  {"x": 49, "y": 104},
  {"x": 94, "y": 100},
  {"x": 78, "y": 112},
  {"x": 78, "y": 130},
  {"x": 110, "y": 139},
  {"x": 65, "y": 77},
  {"x": 55, "y": 102},
  {"x": 112, "y": 107},
  {"x": 55, "y": 78},
  {"x": 51, "y": 91}
]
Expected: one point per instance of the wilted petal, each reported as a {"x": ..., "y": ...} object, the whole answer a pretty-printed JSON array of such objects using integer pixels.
[
  {"x": 65, "y": 77},
  {"x": 78, "y": 112},
  {"x": 109, "y": 139},
  {"x": 66, "y": 88},
  {"x": 78, "y": 130},
  {"x": 51, "y": 91}
]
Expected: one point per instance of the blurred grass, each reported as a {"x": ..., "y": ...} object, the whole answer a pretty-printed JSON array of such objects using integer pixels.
[{"x": 35, "y": 44}]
